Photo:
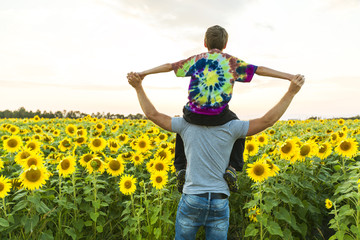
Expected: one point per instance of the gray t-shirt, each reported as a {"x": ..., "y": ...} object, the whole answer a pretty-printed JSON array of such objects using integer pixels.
[{"x": 207, "y": 150}]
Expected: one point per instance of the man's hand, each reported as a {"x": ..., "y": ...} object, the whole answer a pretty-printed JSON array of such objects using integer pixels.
[
  {"x": 296, "y": 83},
  {"x": 134, "y": 79}
]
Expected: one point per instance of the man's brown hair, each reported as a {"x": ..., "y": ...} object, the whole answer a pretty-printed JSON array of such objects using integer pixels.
[{"x": 216, "y": 37}]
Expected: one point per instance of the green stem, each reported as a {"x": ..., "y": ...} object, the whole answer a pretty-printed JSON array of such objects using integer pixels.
[
  {"x": 74, "y": 184},
  {"x": 60, "y": 209},
  {"x": 95, "y": 192},
  {"x": 4, "y": 207},
  {"x": 147, "y": 210},
  {"x": 261, "y": 208},
  {"x": 160, "y": 204}
]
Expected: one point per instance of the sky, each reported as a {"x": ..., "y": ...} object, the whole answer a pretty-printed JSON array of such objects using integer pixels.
[{"x": 75, "y": 54}]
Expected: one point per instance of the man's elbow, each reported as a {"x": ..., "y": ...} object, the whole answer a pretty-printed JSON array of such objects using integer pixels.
[{"x": 268, "y": 122}]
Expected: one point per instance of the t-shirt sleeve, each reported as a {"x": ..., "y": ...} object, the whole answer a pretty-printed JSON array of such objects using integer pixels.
[
  {"x": 176, "y": 124},
  {"x": 244, "y": 71},
  {"x": 182, "y": 68},
  {"x": 239, "y": 128}
]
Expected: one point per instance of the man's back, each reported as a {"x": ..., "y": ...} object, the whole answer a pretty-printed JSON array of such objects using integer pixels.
[{"x": 208, "y": 151}]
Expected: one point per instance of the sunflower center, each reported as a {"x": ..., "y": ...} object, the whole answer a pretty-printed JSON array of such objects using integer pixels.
[
  {"x": 136, "y": 158},
  {"x": 2, "y": 186},
  {"x": 159, "y": 179},
  {"x": 323, "y": 149},
  {"x": 65, "y": 164},
  {"x": 97, "y": 143},
  {"x": 159, "y": 166},
  {"x": 12, "y": 143},
  {"x": 122, "y": 138},
  {"x": 114, "y": 165},
  {"x": 259, "y": 170},
  {"x": 333, "y": 137},
  {"x": 66, "y": 143},
  {"x": 128, "y": 184},
  {"x": 114, "y": 144},
  {"x": 80, "y": 140},
  {"x": 162, "y": 137},
  {"x": 305, "y": 150},
  {"x": 33, "y": 175},
  {"x": 261, "y": 139},
  {"x": 286, "y": 148},
  {"x": 142, "y": 144},
  {"x": 162, "y": 154},
  {"x": 71, "y": 130},
  {"x": 345, "y": 146},
  {"x": 24, "y": 155},
  {"x": 250, "y": 147},
  {"x": 95, "y": 163},
  {"x": 31, "y": 161},
  {"x": 12, "y": 129},
  {"x": 88, "y": 157},
  {"x": 341, "y": 134}
]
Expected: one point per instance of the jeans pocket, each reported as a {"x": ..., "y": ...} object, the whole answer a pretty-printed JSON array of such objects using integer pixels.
[
  {"x": 189, "y": 211},
  {"x": 220, "y": 209}
]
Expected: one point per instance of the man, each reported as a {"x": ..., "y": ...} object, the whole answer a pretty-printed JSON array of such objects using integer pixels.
[{"x": 207, "y": 148}]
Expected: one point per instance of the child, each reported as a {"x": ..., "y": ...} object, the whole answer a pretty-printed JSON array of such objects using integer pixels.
[{"x": 213, "y": 75}]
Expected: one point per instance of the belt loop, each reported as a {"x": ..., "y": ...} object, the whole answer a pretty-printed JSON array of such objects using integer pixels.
[{"x": 209, "y": 196}]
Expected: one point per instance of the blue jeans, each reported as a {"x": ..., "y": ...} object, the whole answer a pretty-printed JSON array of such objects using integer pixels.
[{"x": 194, "y": 212}]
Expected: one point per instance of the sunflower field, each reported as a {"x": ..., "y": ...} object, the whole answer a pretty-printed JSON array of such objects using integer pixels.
[{"x": 92, "y": 178}]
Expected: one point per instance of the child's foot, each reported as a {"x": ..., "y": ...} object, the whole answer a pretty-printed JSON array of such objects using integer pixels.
[
  {"x": 231, "y": 179},
  {"x": 180, "y": 180}
]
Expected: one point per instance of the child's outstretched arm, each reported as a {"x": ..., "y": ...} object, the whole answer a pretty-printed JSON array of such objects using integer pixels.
[
  {"x": 268, "y": 72},
  {"x": 162, "y": 68}
]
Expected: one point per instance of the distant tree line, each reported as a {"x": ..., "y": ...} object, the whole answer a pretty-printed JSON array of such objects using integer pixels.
[{"x": 23, "y": 113}]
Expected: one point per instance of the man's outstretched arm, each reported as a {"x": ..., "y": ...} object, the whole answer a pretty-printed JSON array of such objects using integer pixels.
[
  {"x": 162, "y": 68},
  {"x": 268, "y": 72},
  {"x": 160, "y": 119},
  {"x": 272, "y": 116}
]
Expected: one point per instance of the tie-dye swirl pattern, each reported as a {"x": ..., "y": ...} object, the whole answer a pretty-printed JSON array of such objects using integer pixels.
[{"x": 213, "y": 75}]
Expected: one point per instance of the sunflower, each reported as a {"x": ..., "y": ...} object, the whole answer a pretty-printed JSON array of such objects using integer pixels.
[
  {"x": 115, "y": 167},
  {"x": 48, "y": 138},
  {"x": 81, "y": 132},
  {"x": 137, "y": 158},
  {"x": 85, "y": 159},
  {"x": 36, "y": 118},
  {"x": 161, "y": 137},
  {"x": 126, "y": 156},
  {"x": 71, "y": 130},
  {"x": 56, "y": 132},
  {"x": 13, "y": 144},
  {"x": 123, "y": 138},
  {"x": 127, "y": 184},
  {"x": 341, "y": 121},
  {"x": 253, "y": 212},
  {"x": 5, "y": 186},
  {"x": 324, "y": 150},
  {"x": 14, "y": 130},
  {"x": 114, "y": 145},
  {"x": 262, "y": 139},
  {"x": 34, "y": 177},
  {"x": 288, "y": 149},
  {"x": 33, "y": 160},
  {"x": 159, "y": 166},
  {"x": 34, "y": 145},
  {"x": 334, "y": 138},
  {"x": 80, "y": 140},
  {"x": 97, "y": 144},
  {"x": 258, "y": 171},
  {"x": 308, "y": 149},
  {"x": 95, "y": 165},
  {"x": 251, "y": 148},
  {"x": 328, "y": 203},
  {"x": 67, "y": 166},
  {"x": 164, "y": 154},
  {"x": 115, "y": 128},
  {"x": 65, "y": 144},
  {"x": 273, "y": 169},
  {"x": 143, "y": 143},
  {"x": 99, "y": 127},
  {"x": 159, "y": 179},
  {"x": 347, "y": 147}
]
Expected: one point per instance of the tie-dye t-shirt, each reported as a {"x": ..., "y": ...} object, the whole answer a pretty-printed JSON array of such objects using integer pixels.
[{"x": 213, "y": 75}]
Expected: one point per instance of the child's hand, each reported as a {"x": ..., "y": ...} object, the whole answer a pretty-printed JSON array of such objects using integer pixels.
[
  {"x": 296, "y": 83},
  {"x": 134, "y": 79}
]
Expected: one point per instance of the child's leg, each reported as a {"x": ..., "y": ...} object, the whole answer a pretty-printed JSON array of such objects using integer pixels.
[
  {"x": 180, "y": 159},
  {"x": 180, "y": 163},
  {"x": 237, "y": 154},
  {"x": 236, "y": 163}
]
